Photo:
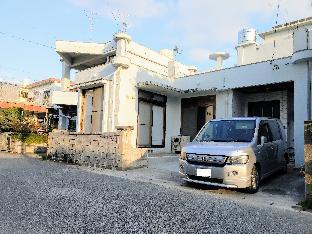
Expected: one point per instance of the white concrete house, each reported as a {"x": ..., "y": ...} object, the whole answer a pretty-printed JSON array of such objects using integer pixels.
[{"x": 122, "y": 83}]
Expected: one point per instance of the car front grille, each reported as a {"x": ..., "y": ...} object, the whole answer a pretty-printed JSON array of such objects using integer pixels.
[{"x": 206, "y": 160}]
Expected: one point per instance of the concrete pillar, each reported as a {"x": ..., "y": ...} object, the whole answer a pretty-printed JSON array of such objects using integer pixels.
[
  {"x": 79, "y": 114},
  {"x": 122, "y": 40},
  {"x": 224, "y": 104},
  {"x": 60, "y": 122},
  {"x": 66, "y": 123},
  {"x": 65, "y": 76},
  {"x": 300, "y": 115},
  {"x": 240, "y": 55}
]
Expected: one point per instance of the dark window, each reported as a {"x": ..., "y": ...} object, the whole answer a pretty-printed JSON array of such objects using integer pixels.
[
  {"x": 264, "y": 109},
  {"x": 46, "y": 94}
]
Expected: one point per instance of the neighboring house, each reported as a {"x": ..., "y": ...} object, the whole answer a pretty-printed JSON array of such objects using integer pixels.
[
  {"x": 39, "y": 92},
  {"x": 57, "y": 96},
  {"x": 16, "y": 96},
  {"x": 10, "y": 92},
  {"x": 50, "y": 100},
  {"x": 63, "y": 110},
  {"x": 121, "y": 83}
]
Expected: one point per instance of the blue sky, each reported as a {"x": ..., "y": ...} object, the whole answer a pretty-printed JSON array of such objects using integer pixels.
[{"x": 197, "y": 27}]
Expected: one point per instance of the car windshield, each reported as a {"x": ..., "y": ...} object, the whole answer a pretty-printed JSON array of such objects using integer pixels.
[{"x": 227, "y": 131}]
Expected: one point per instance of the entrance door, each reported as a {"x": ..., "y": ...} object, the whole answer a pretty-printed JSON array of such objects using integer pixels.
[
  {"x": 157, "y": 128},
  {"x": 97, "y": 109},
  {"x": 88, "y": 111},
  {"x": 145, "y": 122}
]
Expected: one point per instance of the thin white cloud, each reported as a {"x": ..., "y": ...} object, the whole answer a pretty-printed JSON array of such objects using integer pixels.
[
  {"x": 199, "y": 55},
  {"x": 203, "y": 25},
  {"x": 133, "y": 11},
  {"x": 213, "y": 25},
  {"x": 217, "y": 22}
]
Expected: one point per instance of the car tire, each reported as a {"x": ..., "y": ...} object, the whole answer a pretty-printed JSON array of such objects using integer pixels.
[
  {"x": 254, "y": 181},
  {"x": 284, "y": 169}
]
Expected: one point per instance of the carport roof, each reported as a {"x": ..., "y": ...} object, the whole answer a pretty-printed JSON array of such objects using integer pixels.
[
  {"x": 82, "y": 55},
  {"x": 169, "y": 90}
]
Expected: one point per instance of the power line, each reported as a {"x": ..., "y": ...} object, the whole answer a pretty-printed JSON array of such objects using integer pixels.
[{"x": 26, "y": 40}]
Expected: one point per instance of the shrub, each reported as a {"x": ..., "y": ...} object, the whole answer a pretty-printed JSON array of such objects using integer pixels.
[{"x": 31, "y": 138}]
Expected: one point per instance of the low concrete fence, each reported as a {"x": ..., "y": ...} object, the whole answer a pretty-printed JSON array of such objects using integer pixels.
[{"x": 105, "y": 150}]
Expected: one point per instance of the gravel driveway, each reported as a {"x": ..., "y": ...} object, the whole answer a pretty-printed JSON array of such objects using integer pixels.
[{"x": 39, "y": 196}]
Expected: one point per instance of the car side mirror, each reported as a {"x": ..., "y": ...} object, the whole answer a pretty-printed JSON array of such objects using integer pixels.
[{"x": 264, "y": 140}]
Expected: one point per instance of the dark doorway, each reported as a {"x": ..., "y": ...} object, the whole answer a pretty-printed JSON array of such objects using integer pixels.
[
  {"x": 195, "y": 113},
  {"x": 264, "y": 109}
]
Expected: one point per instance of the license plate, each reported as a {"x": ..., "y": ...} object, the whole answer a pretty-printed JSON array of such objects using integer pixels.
[{"x": 203, "y": 172}]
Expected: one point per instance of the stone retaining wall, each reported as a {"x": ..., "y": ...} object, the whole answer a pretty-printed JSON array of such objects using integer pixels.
[
  {"x": 308, "y": 159},
  {"x": 105, "y": 150}
]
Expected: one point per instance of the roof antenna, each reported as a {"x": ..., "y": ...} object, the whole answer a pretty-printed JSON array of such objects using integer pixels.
[
  {"x": 121, "y": 21},
  {"x": 91, "y": 15},
  {"x": 177, "y": 50}
]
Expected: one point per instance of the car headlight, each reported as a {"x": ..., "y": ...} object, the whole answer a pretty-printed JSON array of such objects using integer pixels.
[
  {"x": 183, "y": 155},
  {"x": 239, "y": 159}
]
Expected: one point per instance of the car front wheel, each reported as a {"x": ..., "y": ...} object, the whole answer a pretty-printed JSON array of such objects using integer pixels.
[{"x": 254, "y": 180}]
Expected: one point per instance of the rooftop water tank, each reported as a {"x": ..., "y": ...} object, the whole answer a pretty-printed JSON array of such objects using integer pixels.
[{"x": 247, "y": 36}]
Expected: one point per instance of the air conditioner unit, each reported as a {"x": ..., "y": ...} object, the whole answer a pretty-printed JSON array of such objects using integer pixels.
[{"x": 177, "y": 143}]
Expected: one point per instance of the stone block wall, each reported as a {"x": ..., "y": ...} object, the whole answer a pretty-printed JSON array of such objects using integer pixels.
[
  {"x": 104, "y": 150},
  {"x": 308, "y": 159}
]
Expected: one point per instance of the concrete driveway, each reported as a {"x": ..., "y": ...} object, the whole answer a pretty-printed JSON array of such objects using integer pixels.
[{"x": 282, "y": 191}]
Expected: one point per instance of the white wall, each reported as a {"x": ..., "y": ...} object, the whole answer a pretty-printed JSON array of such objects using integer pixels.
[
  {"x": 64, "y": 98},
  {"x": 38, "y": 92},
  {"x": 276, "y": 44},
  {"x": 253, "y": 53}
]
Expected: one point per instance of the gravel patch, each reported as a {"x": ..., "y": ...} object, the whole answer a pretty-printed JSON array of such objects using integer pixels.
[{"x": 43, "y": 197}]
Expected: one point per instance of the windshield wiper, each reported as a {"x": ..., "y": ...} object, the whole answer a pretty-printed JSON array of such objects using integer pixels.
[{"x": 239, "y": 140}]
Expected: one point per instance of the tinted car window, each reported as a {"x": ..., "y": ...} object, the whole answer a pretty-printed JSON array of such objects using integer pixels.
[
  {"x": 276, "y": 132},
  {"x": 264, "y": 130}
]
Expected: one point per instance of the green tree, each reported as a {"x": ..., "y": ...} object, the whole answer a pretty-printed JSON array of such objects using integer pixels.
[{"x": 17, "y": 120}]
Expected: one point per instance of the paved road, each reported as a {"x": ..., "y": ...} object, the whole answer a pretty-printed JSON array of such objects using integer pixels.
[{"x": 38, "y": 196}]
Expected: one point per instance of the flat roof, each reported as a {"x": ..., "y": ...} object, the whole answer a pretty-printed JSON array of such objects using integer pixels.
[{"x": 286, "y": 26}]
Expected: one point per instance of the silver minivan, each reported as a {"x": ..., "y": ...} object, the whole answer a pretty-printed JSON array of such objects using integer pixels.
[{"x": 235, "y": 153}]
